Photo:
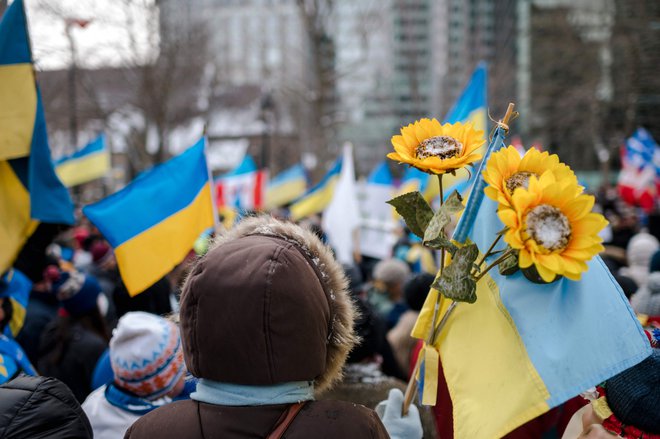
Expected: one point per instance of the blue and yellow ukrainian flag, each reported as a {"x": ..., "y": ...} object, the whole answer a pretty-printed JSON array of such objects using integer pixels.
[
  {"x": 522, "y": 348},
  {"x": 87, "y": 164},
  {"x": 286, "y": 187},
  {"x": 29, "y": 188},
  {"x": 318, "y": 197},
  {"x": 153, "y": 222}
]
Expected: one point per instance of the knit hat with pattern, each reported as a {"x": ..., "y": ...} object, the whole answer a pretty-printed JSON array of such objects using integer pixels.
[
  {"x": 146, "y": 355},
  {"x": 634, "y": 394}
]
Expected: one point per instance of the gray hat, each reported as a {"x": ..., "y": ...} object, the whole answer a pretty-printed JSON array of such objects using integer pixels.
[{"x": 391, "y": 271}]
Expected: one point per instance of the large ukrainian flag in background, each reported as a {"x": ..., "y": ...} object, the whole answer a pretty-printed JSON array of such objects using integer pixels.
[
  {"x": 522, "y": 348},
  {"x": 29, "y": 189},
  {"x": 153, "y": 222}
]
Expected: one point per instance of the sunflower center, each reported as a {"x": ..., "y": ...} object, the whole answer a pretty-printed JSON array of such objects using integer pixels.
[
  {"x": 443, "y": 147},
  {"x": 549, "y": 227},
  {"x": 519, "y": 179}
]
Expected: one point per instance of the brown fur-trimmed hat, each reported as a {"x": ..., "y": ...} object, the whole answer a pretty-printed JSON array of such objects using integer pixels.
[{"x": 267, "y": 304}]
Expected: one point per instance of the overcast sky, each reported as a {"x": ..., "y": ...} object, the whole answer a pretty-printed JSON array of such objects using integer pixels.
[{"x": 106, "y": 40}]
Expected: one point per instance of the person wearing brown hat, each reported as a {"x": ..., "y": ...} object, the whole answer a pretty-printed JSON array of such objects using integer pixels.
[{"x": 266, "y": 323}]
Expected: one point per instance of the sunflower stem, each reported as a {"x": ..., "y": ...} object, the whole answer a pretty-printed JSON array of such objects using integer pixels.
[
  {"x": 442, "y": 231},
  {"x": 493, "y": 264},
  {"x": 488, "y": 252}
]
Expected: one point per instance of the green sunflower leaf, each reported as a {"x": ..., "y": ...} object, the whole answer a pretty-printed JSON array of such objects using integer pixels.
[
  {"x": 442, "y": 217},
  {"x": 456, "y": 282},
  {"x": 415, "y": 211}
]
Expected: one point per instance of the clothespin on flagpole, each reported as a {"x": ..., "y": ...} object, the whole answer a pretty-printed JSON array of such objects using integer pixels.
[
  {"x": 217, "y": 226},
  {"x": 411, "y": 389}
]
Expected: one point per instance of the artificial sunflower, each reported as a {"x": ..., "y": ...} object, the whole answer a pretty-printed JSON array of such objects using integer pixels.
[
  {"x": 506, "y": 171},
  {"x": 553, "y": 227},
  {"x": 437, "y": 149}
]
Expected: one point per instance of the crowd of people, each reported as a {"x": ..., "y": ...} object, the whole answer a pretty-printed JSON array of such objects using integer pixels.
[{"x": 259, "y": 332}]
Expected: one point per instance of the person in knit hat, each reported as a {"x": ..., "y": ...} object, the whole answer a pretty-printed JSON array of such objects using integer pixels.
[
  {"x": 639, "y": 252},
  {"x": 386, "y": 293},
  {"x": 72, "y": 344},
  {"x": 647, "y": 299},
  {"x": 625, "y": 406},
  {"x": 267, "y": 324},
  {"x": 147, "y": 363}
]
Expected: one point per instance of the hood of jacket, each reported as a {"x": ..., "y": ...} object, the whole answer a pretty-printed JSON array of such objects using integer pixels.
[
  {"x": 267, "y": 304},
  {"x": 40, "y": 407}
]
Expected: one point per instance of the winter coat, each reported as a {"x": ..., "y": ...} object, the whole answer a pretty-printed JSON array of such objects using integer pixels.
[
  {"x": 76, "y": 366},
  {"x": 41, "y": 310},
  {"x": 40, "y": 407},
  {"x": 110, "y": 420},
  {"x": 266, "y": 305},
  {"x": 647, "y": 299},
  {"x": 318, "y": 419}
]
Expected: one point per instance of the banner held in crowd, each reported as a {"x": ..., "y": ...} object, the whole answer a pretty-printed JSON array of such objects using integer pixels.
[
  {"x": 378, "y": 220},
  {"x": 241, "y": 188},
  {"x": 341, "y": 219},
  {"x": 85, "y": 165},
  {"x": 29, "y": 188},
  {"x": 153, "y": 222}
]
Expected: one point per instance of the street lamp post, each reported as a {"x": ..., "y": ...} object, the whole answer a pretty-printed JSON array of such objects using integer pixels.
[
  {"x": 73, "y": 111},
  {"x": 267, "y": 108}
]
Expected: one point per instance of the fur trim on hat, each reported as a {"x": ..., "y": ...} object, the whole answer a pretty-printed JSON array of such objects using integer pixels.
[{"x": 343, "y": 335}]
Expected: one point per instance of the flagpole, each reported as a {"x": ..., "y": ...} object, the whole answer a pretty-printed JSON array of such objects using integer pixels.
[{"x": 217, "y": 227}]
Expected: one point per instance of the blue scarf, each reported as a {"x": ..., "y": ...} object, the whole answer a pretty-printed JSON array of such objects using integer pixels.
[
  {"x": 131, "y": 403},
  {"x": 213, "y": 392}
]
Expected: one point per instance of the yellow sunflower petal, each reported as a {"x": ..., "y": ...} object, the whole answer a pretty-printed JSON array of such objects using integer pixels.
[
  {"x": 552, "y": 261},
  {"x": 508, "y": 217},
  {"x": 579, "y": 207},
  {"x": 546, "y": 274},
  {"x": 524, "y": 259},
  {"x": 573, "y": 276},
  {"x": 395, "y": 156}
]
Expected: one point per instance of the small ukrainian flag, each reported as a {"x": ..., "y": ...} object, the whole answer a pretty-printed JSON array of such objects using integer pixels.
[
  {"x": 319, "y": 196},
  {"x": 153, "y": 222},
  {"x": 286, "y": 187},
  {"x": 90, "y": 163}
]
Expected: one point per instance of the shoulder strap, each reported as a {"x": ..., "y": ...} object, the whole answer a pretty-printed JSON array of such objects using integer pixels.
[{"x": 285, "y": 420}]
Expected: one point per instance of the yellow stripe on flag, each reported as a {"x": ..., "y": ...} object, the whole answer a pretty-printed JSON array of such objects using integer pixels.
[
  {"x": 155, "y": 252},
  {"x": 18, "y": 95},
  {"x": 285, "y": 193},
  {"x": 481, "y": 342},
  {"x": 16, "y": 225},
  {"x": 84, "y": 169}
]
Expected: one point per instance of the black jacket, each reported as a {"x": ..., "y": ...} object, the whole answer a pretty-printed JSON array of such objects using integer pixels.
[{"x": 40, "y": 407}]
